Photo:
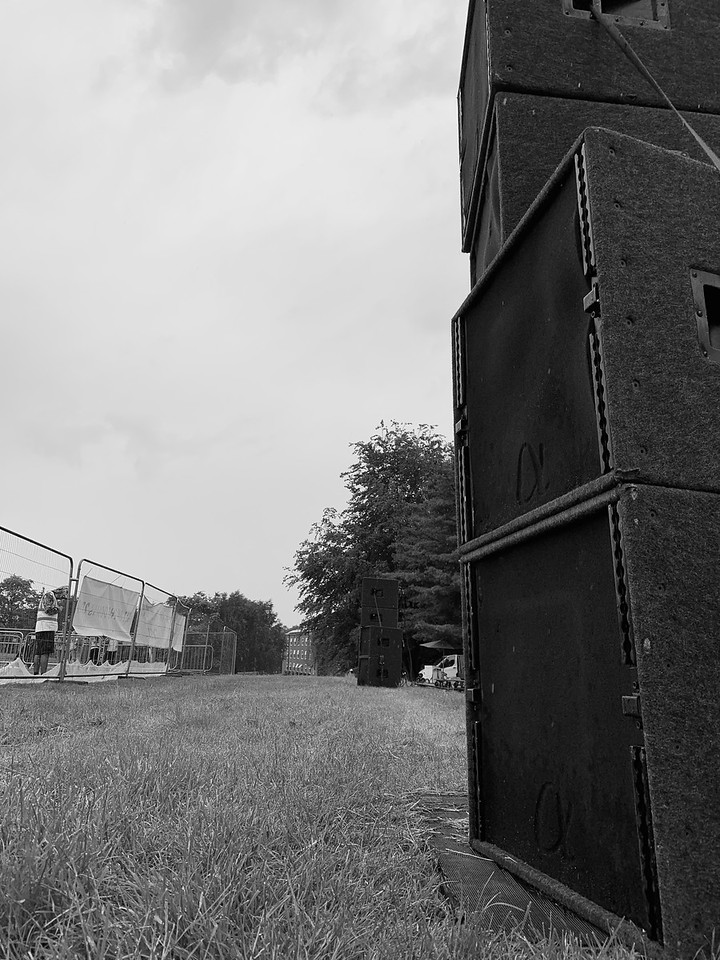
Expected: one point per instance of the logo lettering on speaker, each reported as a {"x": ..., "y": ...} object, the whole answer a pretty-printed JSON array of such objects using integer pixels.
[
  {"x": 552, "y": 820},
  {"x": 531, "y": 480}
]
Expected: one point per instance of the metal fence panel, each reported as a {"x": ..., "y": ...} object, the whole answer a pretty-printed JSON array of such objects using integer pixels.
[
  {"x": 224, "y": 646},
  {"x": 29, "y": 569},
  {"x": 154, "y": 633},
  {"x": 197, "y": 658},
  {"x": 110, "y": 624},
  {"x": 210, "y": 651},
  {"x": 180, "y": 628},
  {"x": 103, "y": 655}
]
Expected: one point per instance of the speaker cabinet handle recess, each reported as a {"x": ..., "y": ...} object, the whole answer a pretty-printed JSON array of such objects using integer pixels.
[
  {"x": 636, "y": 13},
  {"x": 706, "y": 300}
]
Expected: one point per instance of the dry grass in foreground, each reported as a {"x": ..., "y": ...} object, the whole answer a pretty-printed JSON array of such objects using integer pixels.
[{"x": 243, "y": 817}]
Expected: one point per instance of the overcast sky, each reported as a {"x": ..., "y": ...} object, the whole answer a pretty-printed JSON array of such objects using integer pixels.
[{"x": 230, "y": 247}]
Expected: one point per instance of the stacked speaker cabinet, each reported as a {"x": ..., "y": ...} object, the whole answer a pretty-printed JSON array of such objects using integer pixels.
[
  {"x": 380, "y": 657},
  {"x": 587, "y": 411},
  {"x": 520, "y": 53},
  {"x": 528, "y": 137},
  {"x": 381, "y": 641},
  {"x": 379, "y": 602}
]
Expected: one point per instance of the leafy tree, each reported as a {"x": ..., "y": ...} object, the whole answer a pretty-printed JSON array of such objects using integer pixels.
[
  {"x": 385, "y": 530},
  {"x": 260, "y": 635},
  {"x": 427, "y": 565},
  {"x": 18, "y": 602},
  {"x": 327, "y": 572}
]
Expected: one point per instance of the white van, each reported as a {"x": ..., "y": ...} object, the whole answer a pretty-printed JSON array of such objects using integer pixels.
[{"x": 447, "y": 672}]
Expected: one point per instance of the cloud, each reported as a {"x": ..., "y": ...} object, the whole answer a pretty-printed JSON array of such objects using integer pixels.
[
  {"x": 412, "y": 68},
  {"x": 208, "y": 295},
  {"x": 190, "y": 40},
  {"x": 379, "y": 53}
]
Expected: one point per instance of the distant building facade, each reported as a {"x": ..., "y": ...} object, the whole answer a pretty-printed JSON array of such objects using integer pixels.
[{"x": 299, "y": 655}]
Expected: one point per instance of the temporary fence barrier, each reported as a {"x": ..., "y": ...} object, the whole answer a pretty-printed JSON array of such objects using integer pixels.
[
  {"x": 104, "y": 619},
  {"x": 197, "y": 658},
  {"x": 209, "y": 651},
  {"x": 110, "y": 624},
  {"x": 224, "y": 645},
  {"x": 12, "y": 645},
  {"x": 179, "y": 636},
  {"x": 28, "y": 571},
  {"x": 154, "y": 632}
]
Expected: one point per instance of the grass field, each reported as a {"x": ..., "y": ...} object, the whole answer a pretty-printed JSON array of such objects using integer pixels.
[{"x": 241, "y": 817}]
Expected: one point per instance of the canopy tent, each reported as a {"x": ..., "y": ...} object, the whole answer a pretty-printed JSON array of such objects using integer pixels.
[{"x": 442, "y": 645}]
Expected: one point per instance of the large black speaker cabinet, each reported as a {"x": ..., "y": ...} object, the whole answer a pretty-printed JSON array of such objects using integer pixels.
[
  {"x": 555, "y": 48},
  {"x": 590, "y": 351},
  {"x": 380, "y": 657},
  {"x": 379, "y": 599},
  {"x": 530, "y": 135},
  {"x": 378, "y": 616},
  {"x": 593, "y": 709},
  {"x": 379, "y": 592}
]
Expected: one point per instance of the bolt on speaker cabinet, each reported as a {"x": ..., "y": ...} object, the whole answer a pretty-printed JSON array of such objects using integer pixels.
[
  {"x": 589, "y": 353},
  {"x": 556, "y": 49},
  {"x": 380, "y": 656},
  {"x": 593, "y": 710},
  {"x": 528, "y": 138}
]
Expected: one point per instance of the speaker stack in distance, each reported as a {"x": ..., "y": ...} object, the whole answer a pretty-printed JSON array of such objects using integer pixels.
[
  {"x": 381, "y": 641},
  {"x": 587, "y": 410}
]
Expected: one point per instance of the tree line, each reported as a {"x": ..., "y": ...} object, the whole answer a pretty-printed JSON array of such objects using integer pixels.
[{"x": 399, "y": 522}]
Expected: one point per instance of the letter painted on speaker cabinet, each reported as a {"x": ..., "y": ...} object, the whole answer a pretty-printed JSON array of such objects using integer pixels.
[
  {"x": 552, "y": 820},
  {"x": 531, "y": 478}
]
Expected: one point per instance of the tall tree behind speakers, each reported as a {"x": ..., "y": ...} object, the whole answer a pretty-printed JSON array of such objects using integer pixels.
[
  {"x": 589, "y": 353},
  {"x": 593, "y": 709},
  {"x": 529, "y": 136},
  {"x": 555, "y": 49}
]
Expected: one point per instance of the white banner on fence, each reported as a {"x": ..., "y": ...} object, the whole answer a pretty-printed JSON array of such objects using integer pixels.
[
  {"x": 178, "y": 631},
  {"x": 155, "y": 625},
  {"x": 104, "y": 610}
]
